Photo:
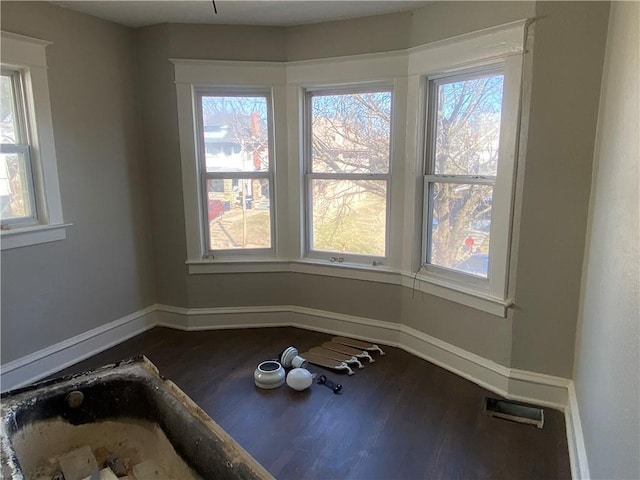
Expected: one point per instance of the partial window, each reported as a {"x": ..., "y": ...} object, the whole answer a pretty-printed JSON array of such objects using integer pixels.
[
  {"x": 17, "y": 195},
  {"x": 30, "y": 204},
  {"x": 348, "y": 146},
  {"x": 463, "y": 155},
  {"x": 236, "y": 170}
]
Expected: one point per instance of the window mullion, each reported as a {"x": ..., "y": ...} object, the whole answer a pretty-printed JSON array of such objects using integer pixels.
[
  {"x": 461, "y": 179},
  {"x": 237, "y": 175},
  {"x": 348, "y": 176}
]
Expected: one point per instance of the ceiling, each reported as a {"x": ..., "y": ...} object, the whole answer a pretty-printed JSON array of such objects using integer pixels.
[{"x": 236, "y": 12}]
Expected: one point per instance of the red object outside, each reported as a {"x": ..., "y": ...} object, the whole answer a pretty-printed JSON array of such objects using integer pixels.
[{"x": 216, "y": 208}]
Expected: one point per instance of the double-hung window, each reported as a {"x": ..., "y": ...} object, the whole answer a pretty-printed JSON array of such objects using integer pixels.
[
  {"x": 17, "y": 194},
  {"x": 30, "y": 203},
  {"x": 347, "y": 173},
  {"x": 469, "y": 151},
  {"x": 236, "y": 169}
]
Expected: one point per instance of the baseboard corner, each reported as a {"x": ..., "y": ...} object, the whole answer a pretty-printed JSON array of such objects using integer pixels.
[{"x": 575, "y": 437}]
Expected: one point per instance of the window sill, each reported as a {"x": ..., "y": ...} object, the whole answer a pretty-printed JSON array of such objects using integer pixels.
[
  {"x": 381, "y": 274},
  {"x": 237, "y": 265},
  {"x": 311, "y": 266},
  {"x": 24, "y": 237},
  {"x": 454, "y": 292},
  {"x": 355, "y": 271}
]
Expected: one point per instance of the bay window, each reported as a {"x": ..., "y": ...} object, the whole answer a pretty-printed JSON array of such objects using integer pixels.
[{"x": 398, "y": 167}]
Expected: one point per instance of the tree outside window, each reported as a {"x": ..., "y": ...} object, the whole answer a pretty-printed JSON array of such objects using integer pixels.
[
  {"x": 464, "y": 128},
  {"x": 348, "y": 171}
]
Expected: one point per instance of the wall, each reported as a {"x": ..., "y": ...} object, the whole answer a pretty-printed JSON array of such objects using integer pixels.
[
  {"x": 443, "y": 20},
  {"x": 162, "y": 155},
  {"x": 104, "y": 269},
  {"x": 539, "y": 333},
  {"x": 227, "y": 42},
  {"x": 608, "y": 339},
  {"x": 110, "y": 267},
  {"x": 349, "y": 37},
  {"x": 567, "y": 70}
]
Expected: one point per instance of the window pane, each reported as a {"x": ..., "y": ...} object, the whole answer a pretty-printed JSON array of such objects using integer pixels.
[
  {"x": 236, "y": 133},
  {"x": 239, "y": 213},
  {"x": 468, "y": 126},
  {"x": 460, "y": 227},
  {"x": 7, "y": 110},
  {"x": 349, "y": 216},
  {"x": 15, "y": 191},
  {"x": 351, "y": 132}
]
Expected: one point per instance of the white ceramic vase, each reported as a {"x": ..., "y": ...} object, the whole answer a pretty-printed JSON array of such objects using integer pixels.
[{"x": 269, "y": 374}]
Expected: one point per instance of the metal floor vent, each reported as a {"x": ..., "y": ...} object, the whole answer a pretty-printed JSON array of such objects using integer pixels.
[{"x": 515, "y": 412}]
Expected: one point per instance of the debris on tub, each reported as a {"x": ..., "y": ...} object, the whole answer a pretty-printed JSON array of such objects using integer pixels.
[
  {"x": 149, "y": 470},
  {"x": 117, "y": 466},
  {"x": 78, "y": 464},
  {"x": 105, "y": 474}
]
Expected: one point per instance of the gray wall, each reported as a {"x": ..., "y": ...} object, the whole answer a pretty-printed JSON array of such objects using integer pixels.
[
  {"x": 383, "y": 33},
  {"x": 447, "y": 19},
  {"x": 567, "y": 69},
  {"x": 104, "y": 269},
  {"x": 607, "y": 358},
  {"x": 538, "y": 334},
  {"x": 162, "y": 155}
]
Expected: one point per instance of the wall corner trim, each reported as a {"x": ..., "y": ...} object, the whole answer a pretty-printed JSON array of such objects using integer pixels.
[{"x": 575, "y": 437}]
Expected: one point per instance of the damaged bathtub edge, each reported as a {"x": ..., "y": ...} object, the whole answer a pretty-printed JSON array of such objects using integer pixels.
[{"x": 138, "y": 369}]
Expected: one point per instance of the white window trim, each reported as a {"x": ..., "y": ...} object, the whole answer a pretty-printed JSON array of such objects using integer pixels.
[
  {"x": 406, "y": 71},
  {"x": 194, "y": 75},
  {"x": 388, "y": 69},
  {"x": 28, "y": 55},
  {"x": 503, "y": 47}
]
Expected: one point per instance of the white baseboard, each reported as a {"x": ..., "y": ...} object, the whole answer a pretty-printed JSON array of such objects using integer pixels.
[
  {"x": 575, "y": 438},
  {"x": 544, "y": 390},
  {"x": 45, "y": 362},
  {"x": 536, "y": 388},
  {"x": 540, "y": 389},
  {"x": 530, "y": 387}
]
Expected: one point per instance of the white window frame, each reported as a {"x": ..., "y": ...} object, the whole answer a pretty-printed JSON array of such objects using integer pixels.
[
  {"x": 192, "y": 76},
  {"x": 27, "y": 57},
  {"x": 503, "y": 53},
  {"x": 269, "y": 174},
  {"x": 309, "y": 175},
  {"x": 430, "y": 178},
  {"x": 20, "y": 146}
]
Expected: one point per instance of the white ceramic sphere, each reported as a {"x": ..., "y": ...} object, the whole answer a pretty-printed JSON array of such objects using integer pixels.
[
  {"x": 299, "y": 379},
  {"x": 269, "y": 374}
]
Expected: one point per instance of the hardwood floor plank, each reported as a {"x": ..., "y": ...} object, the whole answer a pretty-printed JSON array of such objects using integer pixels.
[{"x": 398, "y": 418}]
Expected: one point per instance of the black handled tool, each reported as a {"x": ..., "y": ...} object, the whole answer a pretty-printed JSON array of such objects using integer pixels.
[{"x": 323, "y": 380}]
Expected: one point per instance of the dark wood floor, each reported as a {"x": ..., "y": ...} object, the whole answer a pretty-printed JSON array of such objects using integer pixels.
[{"x": 399, "y": 418}]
